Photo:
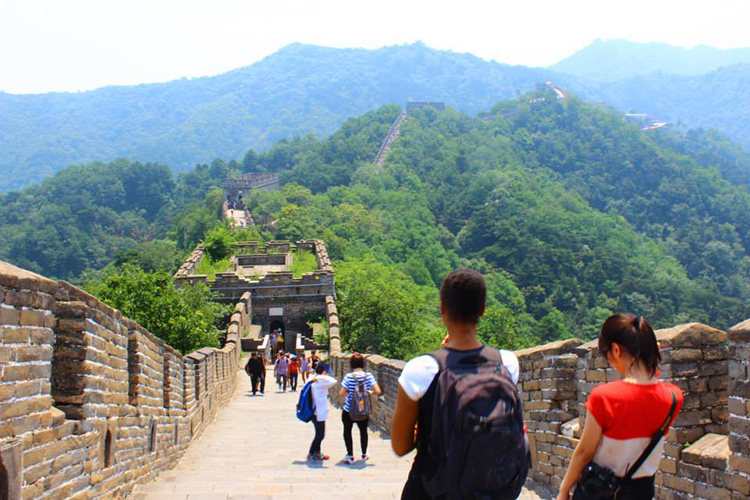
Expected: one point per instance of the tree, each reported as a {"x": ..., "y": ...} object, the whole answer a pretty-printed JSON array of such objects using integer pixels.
[
  {"x": 185, "y": 318},
  {"x": 219, "y": 243},
  {"x": 379, "y": 307}
]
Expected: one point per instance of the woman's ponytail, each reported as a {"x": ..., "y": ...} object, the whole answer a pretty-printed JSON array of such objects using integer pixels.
[
  {"x": 635, "y": 335},
  {"x": 648, "y": 348}
]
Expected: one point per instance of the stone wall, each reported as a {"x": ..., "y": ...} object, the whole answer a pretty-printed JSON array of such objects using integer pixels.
[
  {"x": 91, "y": 402},
  {"x": 706, "y": 453},
  {"x": 254, "y": 247},
  {"x": 263, "y": 260},
  {"x": 188, "y": 267}
]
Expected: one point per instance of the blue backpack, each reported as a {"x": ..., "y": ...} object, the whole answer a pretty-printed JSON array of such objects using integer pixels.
[{"x": 305, "y": 406}]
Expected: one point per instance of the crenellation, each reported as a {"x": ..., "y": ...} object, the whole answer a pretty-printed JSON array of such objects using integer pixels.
[{"x": 82, "y": 388}]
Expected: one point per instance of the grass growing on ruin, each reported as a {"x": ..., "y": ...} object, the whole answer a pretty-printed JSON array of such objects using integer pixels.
[
  {"x": 210, "y": 268},
  {"x": 303, "y": 262}
]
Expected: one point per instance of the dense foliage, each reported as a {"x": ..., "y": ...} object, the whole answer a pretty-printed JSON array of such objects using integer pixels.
[
  {"x": 185, "y": 318},
  {"x": 85, "y": 217},
  {"x": 570, "y": 212}
]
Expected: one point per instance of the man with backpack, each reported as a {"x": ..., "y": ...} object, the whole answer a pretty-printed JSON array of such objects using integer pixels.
[{"x": 459, "y": 407}]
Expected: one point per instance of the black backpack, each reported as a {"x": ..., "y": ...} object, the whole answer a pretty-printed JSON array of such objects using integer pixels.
[{"x": 475, "y": 447}]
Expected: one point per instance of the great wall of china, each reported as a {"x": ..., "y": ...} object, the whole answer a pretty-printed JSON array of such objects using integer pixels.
[{"x": 91, "y": 403}]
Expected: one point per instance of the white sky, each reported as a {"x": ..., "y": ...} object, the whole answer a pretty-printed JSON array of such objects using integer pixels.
[{"x": 70, "y": 45}]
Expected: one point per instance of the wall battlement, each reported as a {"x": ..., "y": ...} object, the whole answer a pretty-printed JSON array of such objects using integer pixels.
[
  {"x": 91, "y": 403},
  {"x": 707, "y": 451},
  {"x": 188, "y": 267}
]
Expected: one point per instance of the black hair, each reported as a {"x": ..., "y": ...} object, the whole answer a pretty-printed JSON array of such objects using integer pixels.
[
  {"x": 357, "y": 361},
  {"x": 635, "y": 335},
  {"x": 464, "y": 293},
  {"x": 320, "y": 368}
]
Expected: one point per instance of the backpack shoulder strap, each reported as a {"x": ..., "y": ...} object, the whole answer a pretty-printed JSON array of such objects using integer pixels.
[
  {"x": 441, "y": 356},
  {"x": 492, "y": 354},
  {"x": 654, "y": 440}
]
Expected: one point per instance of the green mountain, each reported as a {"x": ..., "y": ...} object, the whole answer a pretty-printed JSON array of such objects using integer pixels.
[
  {"x": 571, "y": 213},
  {"x": 610, "y": 60},
  {"x": 297, "y": 90},
  {"x": 719, "y": 99}
]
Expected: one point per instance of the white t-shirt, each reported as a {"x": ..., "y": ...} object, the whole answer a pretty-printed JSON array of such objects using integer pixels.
[
  {"x": 418, "y": 373},
  {"x": 320, "y": 395}
]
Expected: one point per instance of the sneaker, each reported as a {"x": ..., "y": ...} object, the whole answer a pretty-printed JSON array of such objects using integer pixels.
[
  {"x": 321, "y": 456},
  {"x": 349, "y": 460},
  {"x": 365, "y": 457}
]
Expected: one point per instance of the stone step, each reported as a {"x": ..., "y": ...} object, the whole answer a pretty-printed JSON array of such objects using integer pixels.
[{"x": 256, "y": 449}]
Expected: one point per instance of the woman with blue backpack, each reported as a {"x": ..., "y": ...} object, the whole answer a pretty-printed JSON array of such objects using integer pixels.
[
  {"x": 357, "y": 387},
  {"x": 320, "y": 383}
]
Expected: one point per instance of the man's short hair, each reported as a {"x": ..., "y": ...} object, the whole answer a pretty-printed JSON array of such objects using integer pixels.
[{"x": 463, "y": 294}]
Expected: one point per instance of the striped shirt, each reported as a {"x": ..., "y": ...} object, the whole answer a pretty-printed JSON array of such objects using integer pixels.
[{"x": 350, "y": 382}]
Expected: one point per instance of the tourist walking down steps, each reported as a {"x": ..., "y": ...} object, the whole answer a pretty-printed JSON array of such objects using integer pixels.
[
  {"x": 280, "y": 370},
  {"x": 321, "y": 382},
  {"x": 357, "y": 387},
  {"x": 293, "y": 372},
  {"x": 256, "y": 369}
]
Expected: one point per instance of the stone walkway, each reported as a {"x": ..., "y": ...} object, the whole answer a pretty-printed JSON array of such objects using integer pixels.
[{"x": 256, "y": 449}]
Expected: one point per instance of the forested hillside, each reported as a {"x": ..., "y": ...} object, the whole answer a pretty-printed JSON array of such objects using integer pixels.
[
  {"x": 299, "y": 89},
  {"x": 719, "y": 99},
  {"x": 85, "y": 217},
  {"x": 569, "y": 211},
  {"x": 303, "y": 88}
]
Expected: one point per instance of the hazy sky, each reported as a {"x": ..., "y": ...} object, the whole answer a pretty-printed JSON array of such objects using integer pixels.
[{"x": 71, "y": 45}]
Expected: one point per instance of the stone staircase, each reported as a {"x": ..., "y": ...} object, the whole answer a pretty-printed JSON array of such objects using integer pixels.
[
  {"x": 393, "y": 134},
  {"x": 256, "y": 449}
]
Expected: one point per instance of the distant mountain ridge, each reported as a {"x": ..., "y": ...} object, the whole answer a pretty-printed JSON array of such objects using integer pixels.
[
  {"x": 297, "y": 90},
  {"x": 719, "y": 99},
  {"x": 610, "y": 60},
  {"x": 304, "y": 88}
]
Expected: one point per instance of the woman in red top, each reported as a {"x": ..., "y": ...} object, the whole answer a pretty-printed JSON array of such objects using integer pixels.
[
  {"x": 293, "y": 372},
  {"x": 623, "y": 415}
]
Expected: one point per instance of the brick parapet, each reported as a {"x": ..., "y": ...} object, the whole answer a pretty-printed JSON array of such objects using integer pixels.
[
  {"x": 547, "y": 386},
  {"x": 91, "y": 402},
  {"x": 739, "y": 409},
  {"x": 188, "y": 267}
]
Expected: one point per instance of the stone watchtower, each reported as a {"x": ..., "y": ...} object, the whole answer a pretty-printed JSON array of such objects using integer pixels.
[
  {"x": 236, "y": 188},
  {"x": 277, "y": 298}
]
